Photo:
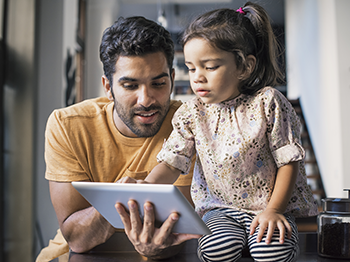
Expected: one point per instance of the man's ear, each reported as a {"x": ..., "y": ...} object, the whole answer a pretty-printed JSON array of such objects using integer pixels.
[
  {"x": 172, "y": 79},
  {"x": 250, "y": 66},
  {"x": 107, "y": 87}
]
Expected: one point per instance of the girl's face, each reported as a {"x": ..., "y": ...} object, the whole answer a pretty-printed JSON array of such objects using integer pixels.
[{"x": 213, "y": 72}]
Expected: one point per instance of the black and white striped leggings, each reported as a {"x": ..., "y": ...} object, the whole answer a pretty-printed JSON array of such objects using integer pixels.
[{"x": 230, "y": 235}]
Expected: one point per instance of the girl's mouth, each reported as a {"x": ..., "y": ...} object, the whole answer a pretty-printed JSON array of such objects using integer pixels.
[{"x": 202, "y": 92}]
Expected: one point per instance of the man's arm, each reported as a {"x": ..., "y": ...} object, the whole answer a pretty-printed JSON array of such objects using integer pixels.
[{"x": 81, "y": 224}]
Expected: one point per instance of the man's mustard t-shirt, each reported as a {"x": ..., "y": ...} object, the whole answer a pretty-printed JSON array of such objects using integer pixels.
[{"x": 82, "y": 143}]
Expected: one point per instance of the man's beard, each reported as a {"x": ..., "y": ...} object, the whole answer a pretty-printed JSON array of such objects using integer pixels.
[{"x": 138, "y": 128}]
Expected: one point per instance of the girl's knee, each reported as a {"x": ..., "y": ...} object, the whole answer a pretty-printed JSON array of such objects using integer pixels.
[
  {"x": 207, "y": 255},
  {"x": 262, "y": 252},
  {"x": 226, "y": 241},
  {"x": 217, "y": 249}
]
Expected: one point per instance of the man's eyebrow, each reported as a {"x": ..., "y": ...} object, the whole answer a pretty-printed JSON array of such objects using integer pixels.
[
  {"x": 161, "y": 76},
  {"x": 125, "y": 78},
  {"x": 130, "y": 79}
]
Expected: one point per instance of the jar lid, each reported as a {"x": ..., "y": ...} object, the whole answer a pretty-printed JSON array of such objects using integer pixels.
[{"x": 341, "y": 205}]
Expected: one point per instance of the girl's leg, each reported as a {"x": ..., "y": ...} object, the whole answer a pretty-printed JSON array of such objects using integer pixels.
[
  {"x": 227, "y": 239},
  {"x": 275, "y": 251}
]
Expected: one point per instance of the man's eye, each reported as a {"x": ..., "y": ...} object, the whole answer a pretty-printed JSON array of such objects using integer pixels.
[
  {"x": 159, "y": 84},
  {"x": 130, "y": 86}
]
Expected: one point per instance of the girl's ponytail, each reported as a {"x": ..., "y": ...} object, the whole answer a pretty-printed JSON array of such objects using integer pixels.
[{"x": 268, "y": 72}]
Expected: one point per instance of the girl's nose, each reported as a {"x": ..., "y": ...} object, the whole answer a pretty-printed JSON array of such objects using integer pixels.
[{"x": 199, "y": 77}]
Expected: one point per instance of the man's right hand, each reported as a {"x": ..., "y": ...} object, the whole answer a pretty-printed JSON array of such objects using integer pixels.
[
  {"x": 147, "y": 239},
  {"x": 81, "y": 224}
]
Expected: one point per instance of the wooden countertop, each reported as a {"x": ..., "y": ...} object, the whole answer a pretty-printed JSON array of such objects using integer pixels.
[{"x": 118, "y": 248}]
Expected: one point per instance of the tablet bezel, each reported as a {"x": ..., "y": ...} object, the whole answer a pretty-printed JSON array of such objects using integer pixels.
[{"x": 165, "y": 198}]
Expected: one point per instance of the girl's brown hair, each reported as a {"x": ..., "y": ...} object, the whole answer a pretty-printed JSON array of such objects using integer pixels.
[{"x": 241, "y": 33}]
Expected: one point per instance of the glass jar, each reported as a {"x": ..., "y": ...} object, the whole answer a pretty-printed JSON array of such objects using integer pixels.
[{"x": 334, "y": 228}]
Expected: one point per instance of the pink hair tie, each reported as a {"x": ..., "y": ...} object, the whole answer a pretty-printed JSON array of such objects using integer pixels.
[{"x": 240, "y": 10}]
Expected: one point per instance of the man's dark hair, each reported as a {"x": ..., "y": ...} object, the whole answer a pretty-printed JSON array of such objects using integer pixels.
[{"x": 134, "y": 36}]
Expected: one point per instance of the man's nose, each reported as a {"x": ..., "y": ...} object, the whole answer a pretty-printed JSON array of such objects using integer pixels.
[{"x": 145, "y": 96}]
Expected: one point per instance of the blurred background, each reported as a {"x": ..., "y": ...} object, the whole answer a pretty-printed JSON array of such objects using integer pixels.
[{"x": 49, "y": 58}]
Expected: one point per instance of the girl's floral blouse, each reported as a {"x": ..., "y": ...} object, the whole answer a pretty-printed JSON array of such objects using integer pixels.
[{"x": 239, "y": 146}]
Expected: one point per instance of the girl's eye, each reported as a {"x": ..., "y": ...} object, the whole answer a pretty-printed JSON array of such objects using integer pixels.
[
  {"x": 191, "y": 70},
  {"x": 212, "y": 68}
]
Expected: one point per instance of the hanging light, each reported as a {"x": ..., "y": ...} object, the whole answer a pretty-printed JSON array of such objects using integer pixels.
[{"x": 162, "y": 19}]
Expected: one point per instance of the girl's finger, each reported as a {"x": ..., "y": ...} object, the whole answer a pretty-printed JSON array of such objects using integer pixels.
[
  {"x": 282, "y": 229},
  {"x": 253, "y": 225},
  {"x": 289, "y": 229},
  {"x": 270, "y": 231},
  {"x": 261, "y": 232}
]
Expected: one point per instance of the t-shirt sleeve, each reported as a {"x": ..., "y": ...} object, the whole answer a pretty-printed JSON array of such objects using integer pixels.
[
  {"x": 178, "y": 150},
  {"x": 283, "y": 129},
  {"x": 61, "y": 161}
]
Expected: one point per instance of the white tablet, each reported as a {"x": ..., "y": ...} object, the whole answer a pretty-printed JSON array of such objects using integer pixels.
[{"x": 165, "y": 198}]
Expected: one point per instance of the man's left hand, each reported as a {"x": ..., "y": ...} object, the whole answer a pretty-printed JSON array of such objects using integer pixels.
[{"x": 147, "y": 239}]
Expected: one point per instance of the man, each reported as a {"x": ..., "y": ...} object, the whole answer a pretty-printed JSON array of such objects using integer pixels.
[{"x": 105, "y": 139}]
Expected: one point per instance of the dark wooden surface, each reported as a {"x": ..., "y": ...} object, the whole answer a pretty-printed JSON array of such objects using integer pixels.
[{"x": 124, "y": 251}]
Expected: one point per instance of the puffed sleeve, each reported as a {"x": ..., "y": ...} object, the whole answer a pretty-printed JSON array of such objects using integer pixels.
[
  {"x": 283, "y": 129},
  {"x": 179, "y": 149}
]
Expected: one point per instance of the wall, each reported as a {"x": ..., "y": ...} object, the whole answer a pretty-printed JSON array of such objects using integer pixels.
[
  {"x": 317, "y": 41},
  {"x": 101, "y": 14},
  {"x": 57, "y": 21},
  {"x": 50, "y": 96},
  {"x": 342, "y": 9}
]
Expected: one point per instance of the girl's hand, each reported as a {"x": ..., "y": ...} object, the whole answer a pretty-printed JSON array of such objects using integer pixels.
[
  {"x": 269, "y": 220},
  {"x": 127, "y": 179}
]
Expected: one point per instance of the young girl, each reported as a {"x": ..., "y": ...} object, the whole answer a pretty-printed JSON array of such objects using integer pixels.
[{"x": 249, "y": 181}]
